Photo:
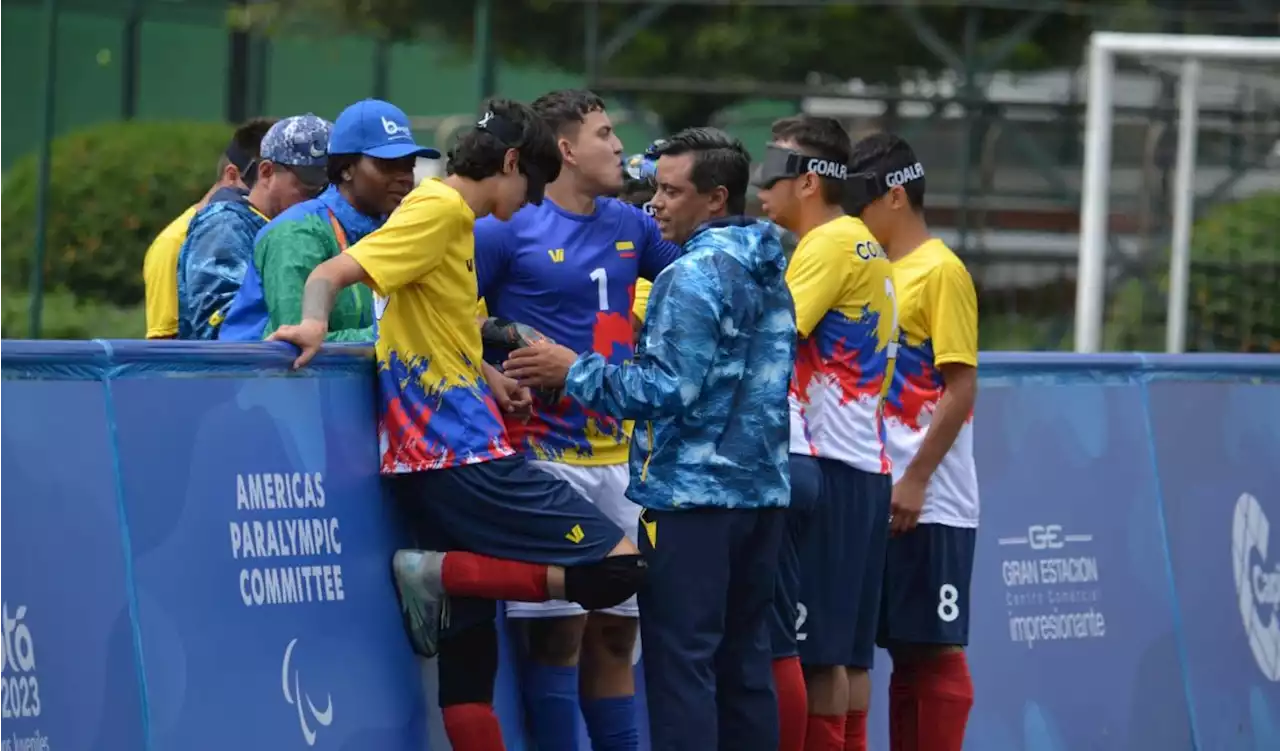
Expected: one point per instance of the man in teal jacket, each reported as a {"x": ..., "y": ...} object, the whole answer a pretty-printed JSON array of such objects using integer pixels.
[
  {"x": 709, "y": 457},
  {"x": 370, "y": 169}
]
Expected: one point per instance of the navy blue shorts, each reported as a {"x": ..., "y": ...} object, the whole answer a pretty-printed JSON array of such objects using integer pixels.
[
  {"x": 504, "y": 509},
  {"x": 926, "y": 586},
  {"x": 806, "y": 486},
  {"x": 842, "y": 568},
  {"x": 705, "y": 609}
]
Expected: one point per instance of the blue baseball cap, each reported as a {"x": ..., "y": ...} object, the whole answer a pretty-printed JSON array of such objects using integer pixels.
[
  {"x": 300, "y": 143},
  {"x": 378, "y": 129}
]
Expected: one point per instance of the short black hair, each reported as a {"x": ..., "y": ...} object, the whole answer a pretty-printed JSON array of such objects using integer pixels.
[
  {"x": 822, "y": 137},
  {"x": 718, "y": 159},
  {"x": 886, "y": 153},
  {"x": 478, "y": 153},
  {"x": 565, "y": 109},
  {"x": 336, "y": 164},
  {"x": 247, "y": 139}
]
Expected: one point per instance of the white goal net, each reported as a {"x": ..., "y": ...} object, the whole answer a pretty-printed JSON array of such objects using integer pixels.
[{"x": 1180, "y": 195}]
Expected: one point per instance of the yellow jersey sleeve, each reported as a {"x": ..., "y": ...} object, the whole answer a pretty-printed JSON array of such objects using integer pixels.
[
  {"x": 160, "y": 277},
  {"x": 953, "y": 315},
  {"x": 482, "y": 309},
  {"x": 641, "y": 304},
  {"x": 816, "y": 275},
  {"x": 413, "y": 242}
]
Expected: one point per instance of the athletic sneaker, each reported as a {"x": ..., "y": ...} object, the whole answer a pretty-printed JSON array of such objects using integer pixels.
[{"x": 423, "y": 604}]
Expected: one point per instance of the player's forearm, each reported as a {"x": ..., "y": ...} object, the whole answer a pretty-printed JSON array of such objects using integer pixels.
[
  {"x": 318, "y": 298},
  {"x": 324, "y": 284},
  {"x": 949, "y": 417},
  {"x": 491, "y": 374}
]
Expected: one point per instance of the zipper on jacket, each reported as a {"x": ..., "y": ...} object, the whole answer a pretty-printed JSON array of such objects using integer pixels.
[{"x": 644, "y": 470}]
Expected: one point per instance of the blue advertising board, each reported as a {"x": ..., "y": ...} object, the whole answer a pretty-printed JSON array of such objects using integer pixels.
[
  {"x": 1070, "y": 581},
  {"x": 260, "y": 547},
  {"x": 1218, "y": 447},
  {"x": 197, "y": 551},
  {"x": 70, "y": 677}
]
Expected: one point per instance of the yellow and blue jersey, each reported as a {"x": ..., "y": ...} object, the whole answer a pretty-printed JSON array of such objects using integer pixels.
[
  {"x": 938, "y": 316},
  {"x": 437, "y": 409},
  {"x": 573, "y": 277},
  {"x": 846, "y": 318}
]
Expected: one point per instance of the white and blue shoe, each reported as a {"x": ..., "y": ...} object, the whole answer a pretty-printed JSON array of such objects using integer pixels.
[{"x": 423, "y": 604}]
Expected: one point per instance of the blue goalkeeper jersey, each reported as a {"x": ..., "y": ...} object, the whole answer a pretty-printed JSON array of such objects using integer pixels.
[{"x": 572, "y": 277}]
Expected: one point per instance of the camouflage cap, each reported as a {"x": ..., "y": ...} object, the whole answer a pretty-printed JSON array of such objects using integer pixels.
[{"x": 300, "y": 143}]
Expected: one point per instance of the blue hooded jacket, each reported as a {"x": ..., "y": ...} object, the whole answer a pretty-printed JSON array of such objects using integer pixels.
[
  {"x": 708, "y": 385},
  {"x": 212, "y": 261}
]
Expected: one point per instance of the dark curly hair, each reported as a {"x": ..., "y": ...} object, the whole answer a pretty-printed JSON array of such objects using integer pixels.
[{"x": 479, "y": 152}]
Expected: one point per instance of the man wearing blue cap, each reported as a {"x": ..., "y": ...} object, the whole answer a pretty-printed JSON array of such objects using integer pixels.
[
  {"x": 219, "y": 244},
  {"x": 370, "y": 169}
]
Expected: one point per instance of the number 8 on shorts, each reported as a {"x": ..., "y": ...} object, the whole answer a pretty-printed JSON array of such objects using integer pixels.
[
  {"x": 925, "y": 596},
  {"x": 948, "y": 606}
]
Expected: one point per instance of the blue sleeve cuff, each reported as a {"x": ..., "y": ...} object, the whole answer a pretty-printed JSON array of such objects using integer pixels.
[{"x": 585, "y": 378}]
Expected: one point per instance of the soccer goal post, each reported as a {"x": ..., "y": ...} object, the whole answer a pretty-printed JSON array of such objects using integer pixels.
[{"x": 1192, "y": 52}]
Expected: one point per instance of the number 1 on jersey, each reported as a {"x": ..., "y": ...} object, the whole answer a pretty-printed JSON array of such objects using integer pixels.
[{"x": 601, "y": 278}]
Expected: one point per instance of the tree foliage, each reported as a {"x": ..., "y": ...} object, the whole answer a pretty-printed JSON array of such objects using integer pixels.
[
  {"x": 113, "y": 187},
  {"x": 1235, "y": 272},
  {"x": 724, "y": 42}
]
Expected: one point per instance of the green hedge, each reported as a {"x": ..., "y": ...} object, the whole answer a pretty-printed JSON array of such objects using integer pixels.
[
  {"x": 1232, "y": 306},
  {"x": 113, "y": 187},
  {"x": 63, "y": 316}
]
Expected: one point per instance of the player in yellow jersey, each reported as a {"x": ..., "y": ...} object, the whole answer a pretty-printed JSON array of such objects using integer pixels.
[
  {"x": 828, "y": 596},
  {"x": 924, "y": 622},
  {"x": 511, "y": 531}
]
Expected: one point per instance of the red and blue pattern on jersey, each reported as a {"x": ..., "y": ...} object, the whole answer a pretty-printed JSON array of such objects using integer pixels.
[
  {"x": 859, "y": 371},
  {"x": 916, "y": 387},
  {"x": 845, "y": 359},
  {"x": 573, "y": 278},
  {"x": 421, "y": 420}
]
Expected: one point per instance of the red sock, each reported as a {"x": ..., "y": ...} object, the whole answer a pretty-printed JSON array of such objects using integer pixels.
[
  {"x": 473, "y": 575},
  {"x": 904, "y": 716},
  {"x": 472, "y": 727},
  {"x": 944, "y": 696},
  {"x": 855, "y": 730},
  {"x": 793, "y": 703},
  {"x": 825, "y": 733}
]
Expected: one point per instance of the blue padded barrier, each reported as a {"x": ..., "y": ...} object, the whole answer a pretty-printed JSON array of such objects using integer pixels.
[
  {"x": 197, "y": 545},
  {"x": 251, "y": 542}
]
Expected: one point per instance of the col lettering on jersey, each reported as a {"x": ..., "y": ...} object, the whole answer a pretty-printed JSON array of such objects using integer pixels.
[
  {"x": 846, "y": 315},
  {"x": 437, "y": 409},
  {"x": 939, "y": 325},
  {"x": 572, "y": 277}
]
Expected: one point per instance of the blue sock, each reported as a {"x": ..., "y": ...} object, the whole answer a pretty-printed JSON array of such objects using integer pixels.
[
  {"x": 612, "y": 723},
  {"x": 551, "y": 705}
]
